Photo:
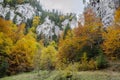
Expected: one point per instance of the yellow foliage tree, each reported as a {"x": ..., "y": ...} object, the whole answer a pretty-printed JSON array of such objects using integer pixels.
[
  {"x": 48, "y": 57},
  {"x": 22, "y": 54},
  {"x": 35, "y": 23},
  {"x": 19, "y": 47},
  {"x": 5, "y": 36},
  {"x": 70, "y": 49},
  {"x": 117, "y": 15},
  {"x": 5, "y": 44}
]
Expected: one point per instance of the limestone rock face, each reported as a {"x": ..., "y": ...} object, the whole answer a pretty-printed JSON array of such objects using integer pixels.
[
  {"x": 104, "y": 9},
  {"x": 1, "y": 1},
  {"x": 48, "y": 28},
  {"x": 21, "y": 13},
  {"x": 26, "y": 11}
]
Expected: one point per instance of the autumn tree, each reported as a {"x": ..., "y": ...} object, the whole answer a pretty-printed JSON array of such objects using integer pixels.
[
  {"x": 48, "y": 57},
  {"x": 84, "y": 38},
  {"x": 117, "y": 15},
  {"x": 92, "y": 30},
  {"x": 111, "y": 43},
  {"x": 6, "y": 44},
  {"x": 37, "y": 58},
  {"x": 22, "y": 54},
  {"x": 17, "y": 47},
  {"x": 69, "y": 50},
  {"x": 5, "y": 37},
  {"x": 35, "y": 23},
  {"x": 5, "y": 48},
  {"x": 4, "y": 26}
]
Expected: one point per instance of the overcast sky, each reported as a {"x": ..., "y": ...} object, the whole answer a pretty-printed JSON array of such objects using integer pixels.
[{"x": 66, "y": 6}]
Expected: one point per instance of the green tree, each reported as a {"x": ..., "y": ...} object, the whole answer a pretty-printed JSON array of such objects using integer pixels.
[
  {"x": 101, "y": 61},
  {"x": 67, "y": 28},
  {"x": 7, "y": 17}
]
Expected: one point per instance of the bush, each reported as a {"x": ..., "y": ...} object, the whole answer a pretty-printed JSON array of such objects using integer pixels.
[
  {"x": 87, "y": 64},
  {"x": 92, "y": 64},
  {"x": 101, "y": 61},
  {"x": 84, "y": 62},
  {"x": 3, "y": 67},
  {"x": 73, "y": 67}
]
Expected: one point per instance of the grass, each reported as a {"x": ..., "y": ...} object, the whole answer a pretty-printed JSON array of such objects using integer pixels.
[{"x": 60, "y": 75}]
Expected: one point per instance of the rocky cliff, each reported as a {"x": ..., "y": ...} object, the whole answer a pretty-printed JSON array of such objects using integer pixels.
[{"x": 52, "y": 23}]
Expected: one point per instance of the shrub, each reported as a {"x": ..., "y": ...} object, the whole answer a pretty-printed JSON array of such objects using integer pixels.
[
  {"x": 84, "y": 62},
  {"x": 92, "y": 64},
  {"x": 74, "y": 67},
  {"x": 3, "y": 67},
  {"x": 101, "y": 61}
]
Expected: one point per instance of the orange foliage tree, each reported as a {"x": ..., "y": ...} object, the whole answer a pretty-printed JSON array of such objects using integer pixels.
[
  {"x": 84, "y": 38},
  {"x": 111, "y": 43}
]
